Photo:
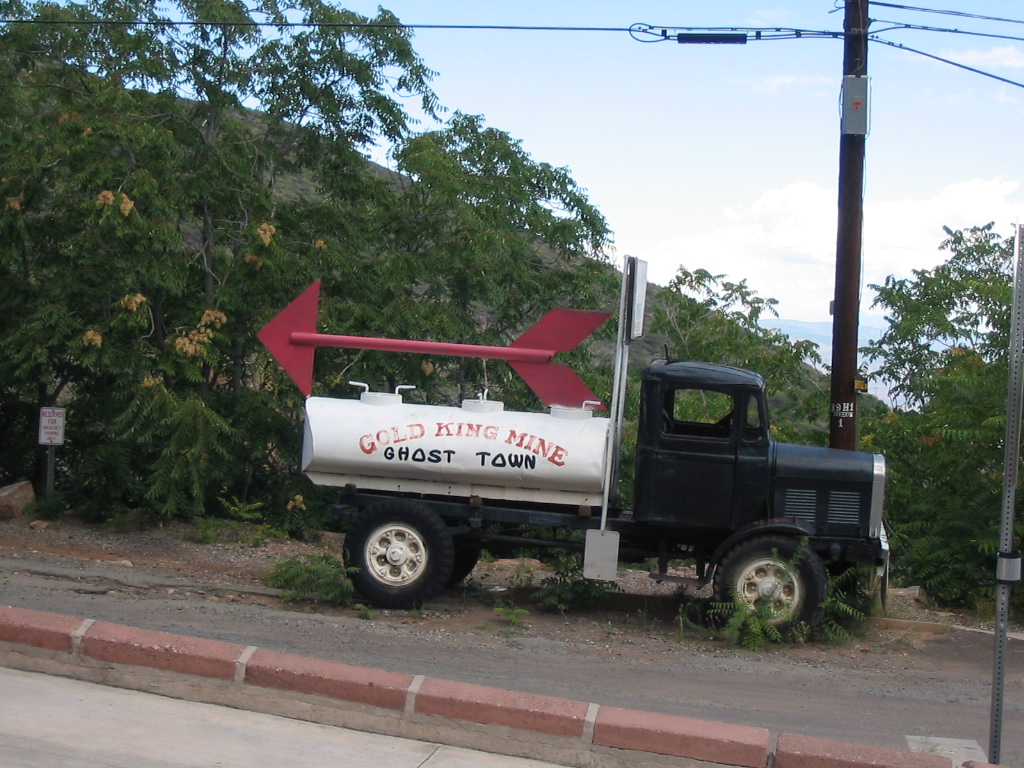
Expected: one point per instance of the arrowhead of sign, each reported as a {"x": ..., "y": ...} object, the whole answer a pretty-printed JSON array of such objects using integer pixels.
[{"x": 296, "y": 359}]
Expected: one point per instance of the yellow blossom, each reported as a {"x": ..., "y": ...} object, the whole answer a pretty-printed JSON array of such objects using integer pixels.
[
  {"x": 106, "y": 197},
  {"x": 149, "y": 381},
  {"x": 266, "y": 232},
  {"x": 320, "y": 245},
  {"x": 297, "y": 502},
  {"x": 127, "y": 204},
  {"x": 14, "y": 203},
  {"x": 213, "y": 317},
  {"x": 92, "y": 339},
  {"x": 132, "y": 303},
  {"x": 193, "y": 343},
  {"x": 252, "y": 258}
]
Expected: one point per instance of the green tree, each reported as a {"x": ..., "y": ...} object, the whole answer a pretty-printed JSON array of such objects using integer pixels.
[
  {"x": 482, "y": 242},
  {"x": 708, "y": 317},
  {"x": 944, "y": 358},
  {"x": 169, "y": 183}
]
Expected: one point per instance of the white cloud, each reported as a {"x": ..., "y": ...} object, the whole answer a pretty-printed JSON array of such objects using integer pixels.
[
  {"x": 776, "y": 83},
  {"x": 783, "y": 243},
  {"x": 903, "y": 235},
  {"x": 1009, "y": 56}
]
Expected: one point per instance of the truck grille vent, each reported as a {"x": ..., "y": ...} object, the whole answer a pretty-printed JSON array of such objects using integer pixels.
[
  {"x": 801, "y": 504},
  {"x": 843, "y": 508}
]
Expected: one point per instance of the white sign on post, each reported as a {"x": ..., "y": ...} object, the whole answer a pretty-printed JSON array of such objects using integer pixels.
[{"x": 51, "y": 426}]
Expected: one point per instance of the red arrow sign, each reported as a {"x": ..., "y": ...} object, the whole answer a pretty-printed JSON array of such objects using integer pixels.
[{"x": 291, "y": 338}]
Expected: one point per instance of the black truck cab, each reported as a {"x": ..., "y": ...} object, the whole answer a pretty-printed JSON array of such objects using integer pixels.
[{"x": 707, "y": 463}]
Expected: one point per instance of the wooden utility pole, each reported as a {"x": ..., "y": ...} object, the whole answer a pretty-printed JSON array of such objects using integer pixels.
[{"x": 846, "y": 307}]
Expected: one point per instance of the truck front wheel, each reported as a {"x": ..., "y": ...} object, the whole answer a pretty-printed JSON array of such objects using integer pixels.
[
  {"x": 403, "y": 552},
  {"x": 776, "y": 573}
]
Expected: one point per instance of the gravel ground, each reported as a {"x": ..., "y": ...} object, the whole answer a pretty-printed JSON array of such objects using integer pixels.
[{"x": 240, "y": 555}]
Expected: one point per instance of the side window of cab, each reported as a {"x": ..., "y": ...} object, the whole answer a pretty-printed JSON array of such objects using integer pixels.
[
  {"x": 754, "y": 426},
  {"x": 700, "y": 413}
]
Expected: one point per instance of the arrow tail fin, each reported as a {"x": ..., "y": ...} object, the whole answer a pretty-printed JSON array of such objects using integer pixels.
[
  {"x": 556, "y": 384},
  {"x": 561, "y": 329}
]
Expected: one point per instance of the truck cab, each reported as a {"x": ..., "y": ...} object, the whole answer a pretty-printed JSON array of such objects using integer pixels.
[{"x": 707, "y": 465}]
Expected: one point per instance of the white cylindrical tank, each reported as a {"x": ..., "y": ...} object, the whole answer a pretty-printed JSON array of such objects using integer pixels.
[{"x": 475, "y": 446}]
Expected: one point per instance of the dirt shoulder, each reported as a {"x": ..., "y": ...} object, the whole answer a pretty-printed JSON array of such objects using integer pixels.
[{"x": 641, "y": 619}]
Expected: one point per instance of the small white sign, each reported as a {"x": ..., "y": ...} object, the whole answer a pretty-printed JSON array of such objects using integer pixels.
[
  {"x": 601, "y": 555},
  {"x": 51, "y": 426},
  {"x": 639, "y": 299}
]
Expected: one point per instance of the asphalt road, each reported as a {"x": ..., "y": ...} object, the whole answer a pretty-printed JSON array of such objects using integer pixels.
[{"x": 939, "y": 690}]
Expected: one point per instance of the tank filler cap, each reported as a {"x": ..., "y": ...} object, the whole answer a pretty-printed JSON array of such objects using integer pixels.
[
  {"x": 380, "y": 398},
  {"x": 567, "y": 412},
  {"x": 376, "y": 398},
  {"x": 482, "y": 404}
]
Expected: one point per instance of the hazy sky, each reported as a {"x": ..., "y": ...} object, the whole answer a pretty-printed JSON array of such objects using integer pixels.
[{"x": 726, "y": 157}]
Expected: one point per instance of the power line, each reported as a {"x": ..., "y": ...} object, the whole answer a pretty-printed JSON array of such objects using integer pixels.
[
  {"x": 962, "y": 14},
  {"x": 660, "y": 33},
  {"x": 641, "y": 32},
  {"x": 307, "y": 24},
  {"x": 897, "y": 25},
  {"x": 946, "y": 61}
]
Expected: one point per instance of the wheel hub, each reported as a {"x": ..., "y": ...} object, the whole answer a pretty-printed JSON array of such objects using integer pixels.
[
  {"x": 769, "y": 589},
  {"x": 768, "y": 582},
  {"x": 396, "y": 554}
]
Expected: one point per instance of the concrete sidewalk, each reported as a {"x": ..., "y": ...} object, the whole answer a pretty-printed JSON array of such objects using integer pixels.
[
  {"x": 436, "y": 711},
  {"x": 57, "y": 722}
]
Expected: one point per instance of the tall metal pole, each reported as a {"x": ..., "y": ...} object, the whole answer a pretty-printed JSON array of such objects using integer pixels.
[
  {"x": 1008, "y": 560},
  {"x": 846, "y": 307}
]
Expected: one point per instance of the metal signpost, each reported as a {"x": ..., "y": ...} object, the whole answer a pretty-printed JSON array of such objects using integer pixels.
[
  {"x": 601, "y": 556},
  {"x": 1008, "y": 561},
  {"x": 51, "y": 434}
]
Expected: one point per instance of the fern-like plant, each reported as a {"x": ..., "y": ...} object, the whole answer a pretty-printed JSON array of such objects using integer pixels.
[
  {"x": 246, "y": 511},
  {"x": 748, "y": 625},
  {"x": 318, "y": 578},
  {"x": 847, "y": 606},
  {"x": 566, "y": 590}
]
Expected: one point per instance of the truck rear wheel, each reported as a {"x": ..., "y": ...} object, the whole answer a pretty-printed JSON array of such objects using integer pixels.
[
  {"x": 403, "y": 552},
  {"x": 775, "y": 572}
]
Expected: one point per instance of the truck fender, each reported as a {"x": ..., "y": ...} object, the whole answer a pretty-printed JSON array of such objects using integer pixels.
[{"x": 760, "y": 528}]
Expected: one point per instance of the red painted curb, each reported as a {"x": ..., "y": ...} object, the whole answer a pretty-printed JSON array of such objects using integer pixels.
[
  {"x": 614, "y": 727},
  {"x": 494, "y": 706},
  {"x": 41, "y": 630},
  {"x": 288, "y": 672},
  {"x": 682, "y": 737},
  {"x": 795, "y": 751},
  {"x": 160, "y": 650}
]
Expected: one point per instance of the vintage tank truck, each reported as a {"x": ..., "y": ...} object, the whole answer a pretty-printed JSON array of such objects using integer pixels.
[{"x": 431, "y": 486}]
